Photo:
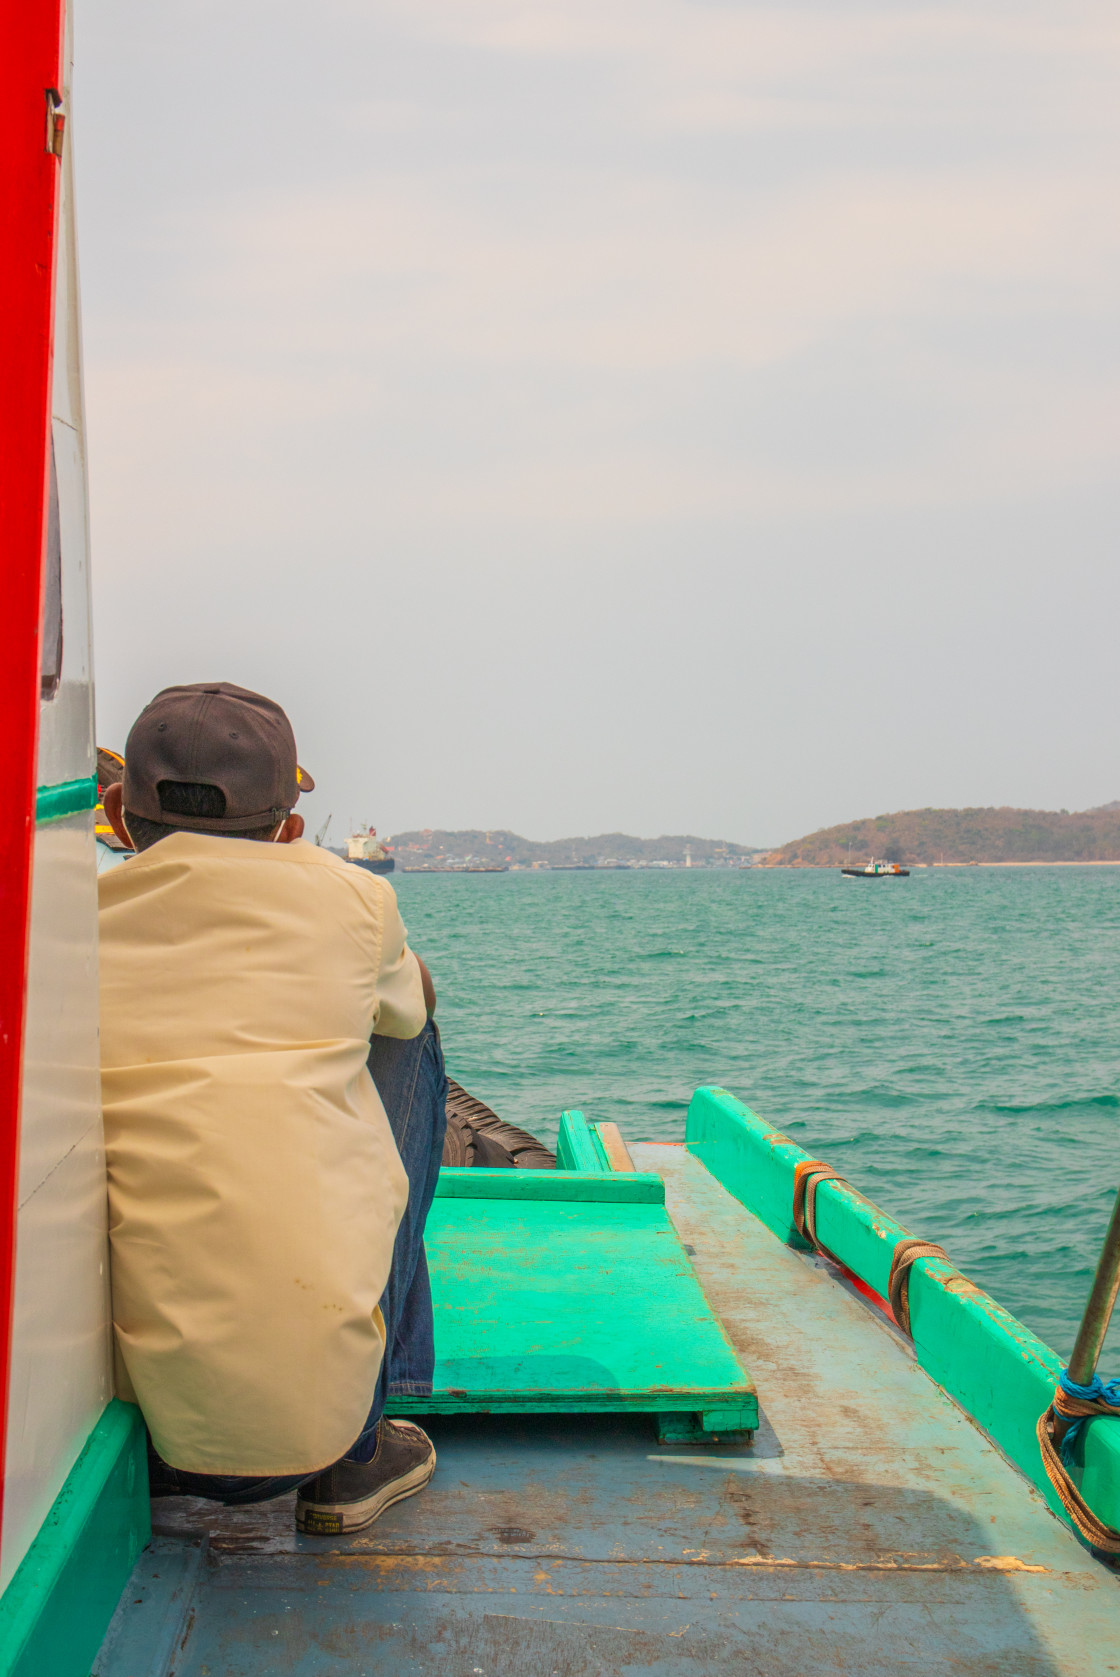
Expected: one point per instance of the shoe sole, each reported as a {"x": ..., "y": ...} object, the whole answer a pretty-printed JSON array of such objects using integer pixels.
[{"x": 336, "y": 1519}]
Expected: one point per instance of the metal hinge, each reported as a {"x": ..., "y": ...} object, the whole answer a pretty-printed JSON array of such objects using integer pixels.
[{"x": 56, "y": 122}]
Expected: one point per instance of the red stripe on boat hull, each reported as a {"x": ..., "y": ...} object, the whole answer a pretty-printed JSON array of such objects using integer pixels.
[{"x": 31, "y": 45}]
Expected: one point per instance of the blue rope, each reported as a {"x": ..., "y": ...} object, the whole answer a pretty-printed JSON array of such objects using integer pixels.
[{"x": 1097, "y": 1391}]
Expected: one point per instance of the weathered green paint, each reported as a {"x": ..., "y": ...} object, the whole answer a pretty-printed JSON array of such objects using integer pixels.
[
  {"x": 751, "y": 1158},
  {"x": 54, "y": 1612},
  {"x": 988, "y": 1361},
  {"x": 69, "y": 797},
  {"x": 994, "y": 1367},
  {"x": 604, "y": 1187},
  {"x": 577, "y": 1145},
  {"x": 711, "y": 1426},
  {"x": 548, "y": 1302},
  {"x": 1097, "y": 1454}
]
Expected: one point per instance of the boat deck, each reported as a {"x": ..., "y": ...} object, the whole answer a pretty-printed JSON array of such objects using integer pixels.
[{"x": 871, "y": 1528}]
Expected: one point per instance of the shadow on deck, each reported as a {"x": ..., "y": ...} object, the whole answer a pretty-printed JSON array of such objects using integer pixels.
[
  {"x": 578, "y": 1546},
  {"x": 870, "y": 1529}
]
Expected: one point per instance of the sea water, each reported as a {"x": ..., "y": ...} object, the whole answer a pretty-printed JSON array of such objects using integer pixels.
[{"x": 950, "y": 1042}]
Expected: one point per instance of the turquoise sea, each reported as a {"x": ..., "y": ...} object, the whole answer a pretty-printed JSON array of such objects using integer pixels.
[{"x": 951, "y": 1042}]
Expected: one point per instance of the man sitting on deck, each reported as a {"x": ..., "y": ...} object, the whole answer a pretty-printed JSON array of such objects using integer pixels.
[{"x": 259, "y": 1004}]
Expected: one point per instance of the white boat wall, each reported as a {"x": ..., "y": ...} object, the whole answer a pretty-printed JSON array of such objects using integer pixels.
[
  {"x": 59, "y": 1360},
  {"x": 72, "y": 1456}
]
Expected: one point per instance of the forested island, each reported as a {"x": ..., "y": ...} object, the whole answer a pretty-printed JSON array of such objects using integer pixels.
[
  {"x": 933, "y": 836},
  {"x": 496, "y": 846},
  {"x": 949, "y": 837}
]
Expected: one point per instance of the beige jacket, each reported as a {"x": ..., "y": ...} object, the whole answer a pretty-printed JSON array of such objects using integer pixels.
[{"x": 254, "y": 1187}]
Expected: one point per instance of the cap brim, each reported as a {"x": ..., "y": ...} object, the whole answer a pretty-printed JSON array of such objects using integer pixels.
[{"x": 304, "y": 780}]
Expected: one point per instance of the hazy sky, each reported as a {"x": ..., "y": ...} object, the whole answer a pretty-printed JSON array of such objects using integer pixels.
[{"x": 607, "y": 414}]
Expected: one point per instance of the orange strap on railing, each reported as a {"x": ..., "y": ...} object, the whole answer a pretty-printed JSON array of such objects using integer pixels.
[
  {"x": 906, "y": 1255},
  {"x": 806, "y": 1178}
]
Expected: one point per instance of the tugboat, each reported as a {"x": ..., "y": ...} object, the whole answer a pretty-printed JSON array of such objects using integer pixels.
[
  {"x": 367, "y": 851},
  {"x": 877, "y": 870}
]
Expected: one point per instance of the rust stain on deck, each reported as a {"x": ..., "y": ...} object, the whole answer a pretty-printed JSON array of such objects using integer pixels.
[
  {"x": 693, "y": 1558},
  {"x": 389, "y": 1563}
]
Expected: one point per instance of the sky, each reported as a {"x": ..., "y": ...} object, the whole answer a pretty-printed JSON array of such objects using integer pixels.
[{"x": 591, "y": 415}]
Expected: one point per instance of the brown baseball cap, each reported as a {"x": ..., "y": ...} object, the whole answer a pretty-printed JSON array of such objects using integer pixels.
[{"x": 214, "y": 733}]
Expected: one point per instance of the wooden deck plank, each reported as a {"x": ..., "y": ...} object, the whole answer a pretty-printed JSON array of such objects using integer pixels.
[
  {"x": 845, "y": 1402},
  {"x": 871, "y": 1528}
]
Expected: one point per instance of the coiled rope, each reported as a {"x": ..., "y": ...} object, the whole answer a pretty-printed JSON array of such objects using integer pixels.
[{"x": 1073, "y": 1405}]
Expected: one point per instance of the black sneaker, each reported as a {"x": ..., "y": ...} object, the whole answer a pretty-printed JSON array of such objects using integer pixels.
[{"x": 351, "y": 1495}]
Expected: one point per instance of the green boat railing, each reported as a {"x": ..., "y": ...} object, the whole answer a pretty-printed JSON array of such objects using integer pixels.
[{"x": 1000, "y": 1373}]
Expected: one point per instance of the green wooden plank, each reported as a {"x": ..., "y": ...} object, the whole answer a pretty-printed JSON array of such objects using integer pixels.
[
  {"x": 577, "y": 1147},
  {"x": 601, "y": 1159},
  {"x": 995, "y": 1368},
  {"x": 692, "y": 1424},
  {"x": 711, "y": 1426},
  {"x": 55, "y": 1611},
  {"x": 752, "y": 1159},
  {"x": 69, "y": 797},
  {"x": 605, "y": 1188},
  {"x": 1004, "y": 1376},
  {"x": 573, "y": 1305},
  {"x": 1097, "y": 1460},
  {"x": 756, "y": 1163}
]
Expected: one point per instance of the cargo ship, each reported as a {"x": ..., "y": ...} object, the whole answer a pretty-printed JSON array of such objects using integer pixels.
[
  {"x": 701, "y": 1408},
  {"x": 366, "y": 850}
]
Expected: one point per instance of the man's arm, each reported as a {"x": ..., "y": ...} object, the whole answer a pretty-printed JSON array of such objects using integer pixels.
[
  {"x": 406, "y": 996},
  {"x": 429, "y": 987}
]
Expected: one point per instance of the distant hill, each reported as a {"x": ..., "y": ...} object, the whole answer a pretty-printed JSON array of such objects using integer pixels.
[
  {"x": 961, "y": 835},
  {"x": 438, "y": 848}
]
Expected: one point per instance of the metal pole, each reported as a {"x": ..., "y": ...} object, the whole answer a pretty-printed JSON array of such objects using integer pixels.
[{"x": 1094, "y": 1323}]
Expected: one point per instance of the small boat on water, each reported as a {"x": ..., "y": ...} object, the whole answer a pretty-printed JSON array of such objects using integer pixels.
[
  {"x": 877, "y": 870},
  {"x": 702, "y": 1410}
]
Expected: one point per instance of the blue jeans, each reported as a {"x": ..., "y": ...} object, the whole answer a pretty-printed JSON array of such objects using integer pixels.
[{"x": 412, "y": 1083}]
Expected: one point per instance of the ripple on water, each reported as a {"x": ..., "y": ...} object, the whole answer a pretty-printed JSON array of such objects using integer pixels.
[{"x": 949, "y": 1041}]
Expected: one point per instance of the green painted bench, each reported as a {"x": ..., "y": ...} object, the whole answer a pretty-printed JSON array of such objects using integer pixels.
[{"x": 569, "y": 1292}]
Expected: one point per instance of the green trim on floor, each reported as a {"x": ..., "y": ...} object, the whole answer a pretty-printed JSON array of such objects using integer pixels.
[
  {"x": 69, "y": 797},
  {"x": 55, "y": 1611}
]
